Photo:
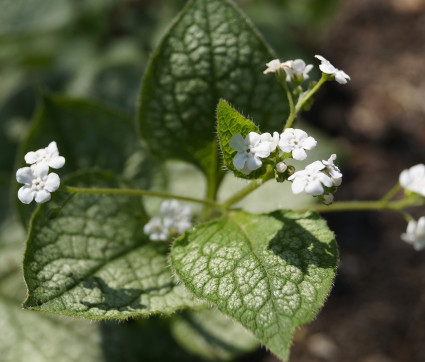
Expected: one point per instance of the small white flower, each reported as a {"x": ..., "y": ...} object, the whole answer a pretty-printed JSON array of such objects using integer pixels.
[
  {"x": 310, "y": 180},
  {"x": 334, "y": 171},
  {"x": 49, "y": 155},
  {"x": 296, "y": 70},
  {"x": 415, "y": 233},
  {"x": 38, "y": 183},
  {"x": 273, "y": 66},
  {"x": 272, "y": 140},
  {"x": 326, "y": 67},
  {"x": 173, "y": 220},
  {"x": 176, "y": 215},
  {"x": 249, "y": 151},
  {"x": 281, "y": 167},
  {"x": 413, "y": 179},
  {"x": 296, "y": 141},
  {"x": 157, "y": 229}
]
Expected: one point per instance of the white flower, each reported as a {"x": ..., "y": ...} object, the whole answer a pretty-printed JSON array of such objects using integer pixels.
[
  {"x": 273, "y": 66},
  {"x": 415, "y": 233},
  {"x": 413, "y": 179},
  {"x": 157, "y": 229},
  {"x": 272, "y": 140},
  {"x": 310, "y": 180},
  {"x": 249, "y": 151},
  {"x": 334, "y": 171},
  {"x": 173, "y": 220},
  {"x": 296, "y": 141},
  {"x": 281, "y": 167},
  {"x": 38, "y": 183},
  {"x": 49, "y": 155},
  {"x": 176, "y": 215},
  {"x": 326, "y": 67},
  {"x": 296, "y": 70}
]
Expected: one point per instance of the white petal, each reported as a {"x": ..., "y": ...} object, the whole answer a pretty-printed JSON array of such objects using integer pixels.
[
  {"x": 327, "y": 68},
  {"x": 252, "y": 139},
  {"x": 323, "y": 59},
  {"x": 42, "y": 196},
  {"x": 340, "y": 77},
  {"x": 52, "y": 182},
  {"x": 325, "y": 179},
  {"x": 309, "y": 143},
  {"x": 315, "y": 166},
  {"x": 262, "y": 150},
  {"x": 24, "y": 175},
  {"x": 32, "y": 157},
  {"x": 404, "y": 178},
  {"x": 300, "y": 134},
  {"x": 41, "y": 169},
  {"x": 298, "y": 185},
  {"x": 298, "y": 66},
  {"x": 299, "y": 154},
  {"x": 52, "y": 148},
  {"x": 253, "y": 163},
  {"x": 25, "y": 194},
  {"x": 57, "y": 162},
  {"x": 314, "y": 188},
  {"x": 237, "y": 143},
  {"x": 239, "y": 161}
]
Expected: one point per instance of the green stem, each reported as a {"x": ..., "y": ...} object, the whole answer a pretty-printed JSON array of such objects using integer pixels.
[
  {"x": 252, "y": 186},
  {"x": 290, "y": 99},
  {"x": 391, "y": 193},
  {"x": 301, "y": 101},
  {"x": 364, "y": 205},
  {"x": 133, "y": 192}
]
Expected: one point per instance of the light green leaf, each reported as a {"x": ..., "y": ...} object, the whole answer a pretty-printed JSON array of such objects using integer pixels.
[
  {"x": 210, "y": 52},
  {"x": 88, "y": 135},
  {"x": 270, "y": 272},
  {"x": 212, "y": 336},
  {"x": 231, "y": 122},
  {"x": 87, "y": 256}
]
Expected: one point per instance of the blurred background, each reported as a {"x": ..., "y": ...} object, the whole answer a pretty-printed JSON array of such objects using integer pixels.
[{"x": 98, "y": 49}]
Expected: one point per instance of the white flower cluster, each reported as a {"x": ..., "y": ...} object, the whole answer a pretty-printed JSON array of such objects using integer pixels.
[
  {"x": 173, "y": 220},
  {"x": 292, "y": 143},
  {"x": 413, "y": 179},
  {"x": 297, "y": 71},
  {"x": 38, "y": 182},
  {"x": 415, "y": 233}
]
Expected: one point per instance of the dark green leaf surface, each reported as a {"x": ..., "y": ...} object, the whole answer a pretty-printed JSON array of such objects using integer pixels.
[
  {"x": 270, "y": 272},
  {"x": 231, "y": 122},
  {"x": 212, "y": 336},
  {"x": 87, "y": 256},
  {"x": 210, "y": 52}
]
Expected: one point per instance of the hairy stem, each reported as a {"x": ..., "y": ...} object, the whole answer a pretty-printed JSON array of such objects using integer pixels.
[{"x": 134, "y": 192}]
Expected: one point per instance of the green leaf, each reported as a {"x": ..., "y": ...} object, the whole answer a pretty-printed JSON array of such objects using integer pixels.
[
  {"x": 212, "y": 336},
  {"x": 270, "y": 272},
  {"x": 87, "y": 256},
  {"x": 210, "y": 52},
  {"x": 231, "y": 122},
  {"x": 88, "y": 135}
]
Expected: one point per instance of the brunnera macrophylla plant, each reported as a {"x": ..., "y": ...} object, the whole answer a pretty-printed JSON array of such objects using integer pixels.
[{"x": 93, "y": 251}]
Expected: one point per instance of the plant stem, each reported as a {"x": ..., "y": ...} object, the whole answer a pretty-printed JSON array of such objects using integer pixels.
[
  {"x": 364, "y": 205},
  {"x": 252, "y": 186},
  {"x": 391, "y": 193},
  {"x": 134, "y": 192},
  {"x": 301, "y": 101}
]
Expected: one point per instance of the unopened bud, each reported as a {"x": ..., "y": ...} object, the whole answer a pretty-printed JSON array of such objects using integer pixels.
[{"x": 281, "y": 167}]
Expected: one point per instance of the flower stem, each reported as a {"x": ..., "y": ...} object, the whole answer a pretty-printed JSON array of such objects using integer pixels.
[
  {"x": 252, "y": 186},
  {"x": 134, "y": 192},
  {"x": 391, "y": 193},
  {"x": 364, "y": 205},
  {"x": 302, "y": 100}
]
